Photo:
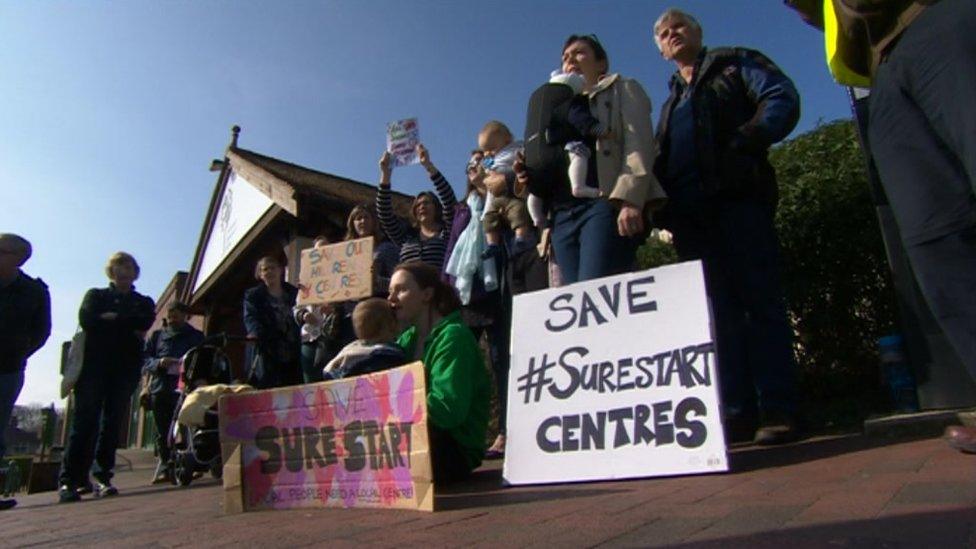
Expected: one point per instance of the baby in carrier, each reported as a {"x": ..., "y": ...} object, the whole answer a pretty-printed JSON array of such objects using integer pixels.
[
  {"x": 586, "y": 126},
  {"x": 375, "y": 350},
  {"x": 560, "y": 133}
]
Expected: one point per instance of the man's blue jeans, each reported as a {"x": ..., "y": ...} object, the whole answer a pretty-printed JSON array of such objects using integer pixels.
[{"x": 10, "y": 386}]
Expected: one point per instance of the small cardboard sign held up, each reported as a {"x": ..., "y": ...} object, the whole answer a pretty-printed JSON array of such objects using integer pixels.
[
  {"x": 337, "y": 272},
  {"x": 402, "y": 138},
  {"x": 355, "y": 442}
]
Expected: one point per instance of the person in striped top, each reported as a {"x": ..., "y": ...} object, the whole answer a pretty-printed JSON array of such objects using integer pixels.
[{"x": 431, "y": 215}]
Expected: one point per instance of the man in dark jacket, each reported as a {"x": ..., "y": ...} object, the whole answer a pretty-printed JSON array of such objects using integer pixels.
[
  {"x": 918, "y": 57},
  {"x": 727, "y": 106},
  {"x": 25, "y": 324},
  {"x": 164, "y": 348}
]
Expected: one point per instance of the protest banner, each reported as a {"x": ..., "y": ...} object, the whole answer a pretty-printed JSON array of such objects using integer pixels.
[
  {"x": 402, "y": 138},
  {"x": 357, "y": 442},
  {"x": 614, "y": 378},
  {"x": 336, "y": 272}
]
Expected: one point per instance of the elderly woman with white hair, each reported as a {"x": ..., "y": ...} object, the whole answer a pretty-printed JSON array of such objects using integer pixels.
[{"x": 115, "y": 320}]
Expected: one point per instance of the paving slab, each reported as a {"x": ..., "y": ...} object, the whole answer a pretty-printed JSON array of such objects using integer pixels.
[{"x": 852, "y": 491}]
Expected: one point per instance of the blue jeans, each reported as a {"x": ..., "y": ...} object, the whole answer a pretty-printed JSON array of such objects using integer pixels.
[
  {"x": 737, "y": 243},
  {"x": 10, "y": 386},
  {"x": 587, "y": 244},
  {"x": 100, "y": 400}
]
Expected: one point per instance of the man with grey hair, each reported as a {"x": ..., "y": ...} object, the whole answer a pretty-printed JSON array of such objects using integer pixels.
[
  {"x": 727, "y": 106},
  {"x": 25, "y": 324}
]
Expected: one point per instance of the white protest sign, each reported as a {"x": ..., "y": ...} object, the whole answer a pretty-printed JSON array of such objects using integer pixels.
[
  {"x": 402, "y": 138},
  {"x": 614, "y": 378}
]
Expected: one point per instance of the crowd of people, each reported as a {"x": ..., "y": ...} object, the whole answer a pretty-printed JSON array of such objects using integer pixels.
[{"x": 445, "y": 282}]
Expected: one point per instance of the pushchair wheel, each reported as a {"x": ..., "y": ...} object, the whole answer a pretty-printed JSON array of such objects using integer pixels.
[
  {"x": 184, "y": 470},
  {"x": 217, "y": 469}
]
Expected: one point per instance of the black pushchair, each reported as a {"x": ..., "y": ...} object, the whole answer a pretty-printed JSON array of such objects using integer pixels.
[{"x": 197, "y": 449}]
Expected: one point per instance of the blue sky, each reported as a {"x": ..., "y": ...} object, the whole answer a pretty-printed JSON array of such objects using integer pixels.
[{"x": 110, "y": 112}]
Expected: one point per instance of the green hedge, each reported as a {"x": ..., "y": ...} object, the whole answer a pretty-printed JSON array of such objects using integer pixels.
[{"x": 835, "y": 269}]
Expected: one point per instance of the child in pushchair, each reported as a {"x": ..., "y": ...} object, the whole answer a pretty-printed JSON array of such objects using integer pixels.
[{"x": 194, "y": 435}]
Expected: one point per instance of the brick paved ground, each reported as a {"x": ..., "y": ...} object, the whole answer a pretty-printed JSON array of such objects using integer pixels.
[{"x": 841, "y": 492}]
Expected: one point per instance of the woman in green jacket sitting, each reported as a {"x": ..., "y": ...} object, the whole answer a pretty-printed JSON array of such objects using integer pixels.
[{"x": 457, "y": 381}]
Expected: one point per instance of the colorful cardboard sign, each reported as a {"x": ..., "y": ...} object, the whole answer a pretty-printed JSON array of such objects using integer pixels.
[
  {"x": 614, "y": 378},
  {"x": 402, "y": 138},
  {"x": 357, "y": 442},
  {"x": 336, "y": 272}
]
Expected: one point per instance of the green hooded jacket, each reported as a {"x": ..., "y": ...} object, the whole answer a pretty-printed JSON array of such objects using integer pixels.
[{"x": 458, "y": 390}]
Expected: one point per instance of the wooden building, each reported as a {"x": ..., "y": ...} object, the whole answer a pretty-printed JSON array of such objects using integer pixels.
[{"x": 263, "y": 206}]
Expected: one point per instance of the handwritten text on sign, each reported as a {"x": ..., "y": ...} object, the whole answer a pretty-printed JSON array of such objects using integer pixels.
[
  {"x": 614, "y": 378},
  {"x": 402, "y": 138},
  {"x": 357, "y": 442},
  {"x": 337, "y": 272}
]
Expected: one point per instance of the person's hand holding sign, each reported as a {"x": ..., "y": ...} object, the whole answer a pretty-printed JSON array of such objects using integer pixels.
[
  {"x": 424, "y": 157},
  {"x": 386, "y": 169}
]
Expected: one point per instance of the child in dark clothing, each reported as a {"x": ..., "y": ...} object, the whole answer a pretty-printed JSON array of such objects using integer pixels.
[
  {"x": 375, "y": 349},
  {"x": 588, "y": 127}
]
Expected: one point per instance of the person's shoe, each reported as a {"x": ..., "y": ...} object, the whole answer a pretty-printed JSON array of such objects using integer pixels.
[
  {"x": 776, "y": 430},
  {"x": 86, "y": 488},
  {"x": 68, "y": 494},
  {"x": 7, "y": 504},
  {"x": 105, "y": 489},
  {"x": 961, "y": 438},
  {"x": 162, "y": 477},
  {"x": 163, "y": 474},
  {"x": 497, "y": 450},
  {"x": 740, "y": 428}
]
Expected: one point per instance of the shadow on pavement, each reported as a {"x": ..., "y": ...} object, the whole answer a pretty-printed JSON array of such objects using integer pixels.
[
  {"x": 474, "y": 500},
  {"x": 485, "y": 489},
  {"x": 751, "y": 458},
  {"x": 944, "y": 529}
]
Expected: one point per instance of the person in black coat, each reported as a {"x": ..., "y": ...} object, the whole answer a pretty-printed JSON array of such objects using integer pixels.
[
  {"x": 269, "y": 321},
  {"x": 115, "y": 320},
  {"x": 164, "y": 349},
  {"x": 25, "y": 324}
]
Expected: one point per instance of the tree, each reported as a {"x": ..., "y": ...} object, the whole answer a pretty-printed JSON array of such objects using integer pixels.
[{"x": 835, "y": 270}]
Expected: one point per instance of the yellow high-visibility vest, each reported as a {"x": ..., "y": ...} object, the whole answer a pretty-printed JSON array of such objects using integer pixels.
[{"x": 843, "y": 74}]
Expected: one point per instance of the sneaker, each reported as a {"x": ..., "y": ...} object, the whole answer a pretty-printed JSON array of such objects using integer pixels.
[
  {"x": 740, "y": 428},
  {"x": 86, "y": 488},
  {"x": 7, "y": 504},
  {"x": 68, "y": 494},
  {"x": 781, "y": 430},
  {"x": 163, "y": 474},
  {"x": 105, "y": 489}
]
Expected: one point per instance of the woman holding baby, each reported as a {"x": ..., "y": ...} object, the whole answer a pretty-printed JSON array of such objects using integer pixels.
[{"x": 596, "y": 237}]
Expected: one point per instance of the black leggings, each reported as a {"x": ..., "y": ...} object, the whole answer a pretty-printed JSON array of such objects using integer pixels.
[{"x": 447, "y": 457}]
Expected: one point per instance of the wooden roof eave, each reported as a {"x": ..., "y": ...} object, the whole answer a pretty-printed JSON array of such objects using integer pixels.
[
  {"x": 278, "y": 190},
  {"x": 232, "y": 259}
]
